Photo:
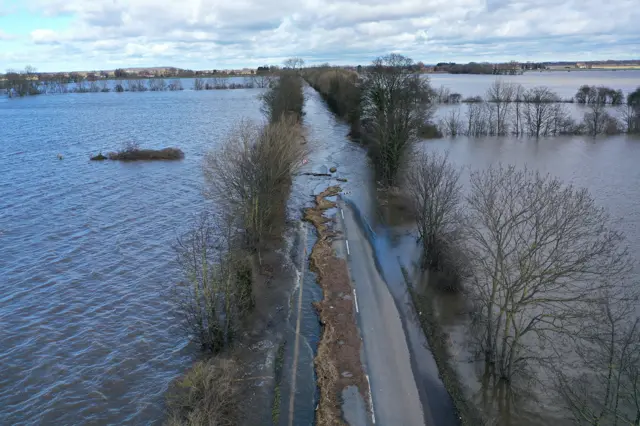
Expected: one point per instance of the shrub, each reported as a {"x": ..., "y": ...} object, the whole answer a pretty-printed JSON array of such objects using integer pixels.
[
  {"x": 216, "y": 292},
  {"x": 250, "y": 176},
  {"x": 98, "y": 157},
  {"x": 429, "y": 131},
  {"x": 208, "y": 395}
]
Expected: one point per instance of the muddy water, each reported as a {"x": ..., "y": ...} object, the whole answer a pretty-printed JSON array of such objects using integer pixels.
[{"x": 605, "y": 166}]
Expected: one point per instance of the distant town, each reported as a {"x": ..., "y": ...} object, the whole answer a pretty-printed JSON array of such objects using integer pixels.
[{"x": 503, "y": 68}]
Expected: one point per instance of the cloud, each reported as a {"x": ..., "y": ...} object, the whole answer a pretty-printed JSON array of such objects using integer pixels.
[
  {"x": 6, "y": 37},
  {"x": 217, "y": 33}
]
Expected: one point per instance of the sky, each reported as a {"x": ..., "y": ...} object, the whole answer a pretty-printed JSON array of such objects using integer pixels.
[{"x": 68, "y": 35}]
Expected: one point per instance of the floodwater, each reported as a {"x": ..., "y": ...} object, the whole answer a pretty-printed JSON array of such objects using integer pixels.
[
  {"x": 607, "y": 168},
  {"x": 87, "y": 332},
  {"x": 564, "y": 83}
]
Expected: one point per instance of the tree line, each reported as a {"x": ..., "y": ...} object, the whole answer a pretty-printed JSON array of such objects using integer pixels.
[
  {"x": 248, "y": 177},
  {"x": 25, "y": 86},
  {"x": 509, "y": 109},
  {"x": 387, "y": 106}
]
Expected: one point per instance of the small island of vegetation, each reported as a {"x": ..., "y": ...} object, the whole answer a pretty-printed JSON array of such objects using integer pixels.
[{"x": 132, "y": 152}]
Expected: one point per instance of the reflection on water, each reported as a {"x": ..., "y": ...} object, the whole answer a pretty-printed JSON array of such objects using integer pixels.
[{"x": 607, "y": 167}]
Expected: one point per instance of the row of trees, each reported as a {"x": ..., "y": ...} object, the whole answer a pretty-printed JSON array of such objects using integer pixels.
[
  {"x": 248, "y": 177},
  {"x": 548, "y": 279},
  {"x": 387, "y": 106},
  {"x": 602, "y": 95},
  {"x": 340, "y": 89},
  {"x": 26, "y": 86},
  {"x": 509, "y": 109},
  {"x": 21, "y": 83}
]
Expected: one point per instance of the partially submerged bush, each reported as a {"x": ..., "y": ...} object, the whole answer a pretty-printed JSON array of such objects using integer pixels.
[
  {"x": 208, "y": 395},
  {"x": 147, "y": 154},
  {"x": 429, "y": 131},
  {"x": 98, "y": 157},
  {"x": 216, "y": 293}
]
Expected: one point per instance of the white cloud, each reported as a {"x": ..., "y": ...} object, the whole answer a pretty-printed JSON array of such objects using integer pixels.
[
  {"x": 6, "y": 37},
  {"x": 217, "y": 33}
]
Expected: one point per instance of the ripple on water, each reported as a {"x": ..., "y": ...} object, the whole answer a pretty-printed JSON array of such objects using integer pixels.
[{"x": 87, "y": 332}]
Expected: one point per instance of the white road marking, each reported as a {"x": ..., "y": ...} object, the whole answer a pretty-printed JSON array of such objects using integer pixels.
[
  {"x": 355, "y": 298},
  {"x": 348, "y": 252},
  {"x": 373, "y": 414},
  {"x": 342, "y": 213}
]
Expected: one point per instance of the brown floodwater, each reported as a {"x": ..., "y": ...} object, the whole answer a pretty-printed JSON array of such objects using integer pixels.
[{"x": 607, "y": 167}]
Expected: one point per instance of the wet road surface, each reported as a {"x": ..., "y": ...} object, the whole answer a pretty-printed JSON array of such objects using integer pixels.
[{"x": 396, "y": 400}]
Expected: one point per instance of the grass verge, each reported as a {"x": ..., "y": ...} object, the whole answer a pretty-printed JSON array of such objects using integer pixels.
[
  {"x": 337, "y": 361},
  {"x": 438, "y": 342}
]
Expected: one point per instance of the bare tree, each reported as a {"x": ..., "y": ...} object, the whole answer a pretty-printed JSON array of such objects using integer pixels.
[
  {"x": 434, "y": 188},
  {"x": 175, "y": 85},
  {"x": 540, "y": 111},
  {"x": 451, "y": 124},
  {"x": 477, "y": 122},
  {"x": 631, "y": 112},
  {"x": 396, "y": 104},
  {"x": 500, "y": 95},
  {"x": 519, "y": 98},
  {"x": 198, "y": 84},
  {"x": 600, "y": 385},
  {"x": 294, "y": 63},
  {"x": 540, "y": 250},
  {"x": 598, "y": 121},
  {"x": 262, "y": 81},
  {"x": 216, "y": 293},
  {"x": 249, "y": 176}
]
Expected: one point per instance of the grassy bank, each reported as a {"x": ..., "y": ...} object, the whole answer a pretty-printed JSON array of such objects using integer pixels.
[{"x": 340, "y": 344}]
